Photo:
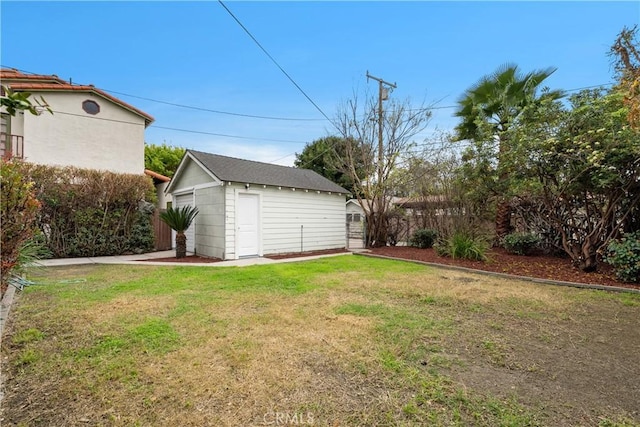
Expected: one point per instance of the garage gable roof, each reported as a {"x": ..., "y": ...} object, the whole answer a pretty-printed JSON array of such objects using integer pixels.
[{"x": 231, "y": 169}]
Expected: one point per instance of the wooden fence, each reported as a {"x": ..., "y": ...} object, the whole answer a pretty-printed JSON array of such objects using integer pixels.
[{"x": 161, "y": 233}]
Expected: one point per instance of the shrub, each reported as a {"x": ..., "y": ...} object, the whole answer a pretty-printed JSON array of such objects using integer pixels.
[
  {"x": 520, "y": 243},
  {"x": 464, "y": 245},
  {"x": 19, "y": 209},
  {"x": 423, "y": 238},
  {"x": 624, "y": 256},
  {"x": 93, "y": 213}
]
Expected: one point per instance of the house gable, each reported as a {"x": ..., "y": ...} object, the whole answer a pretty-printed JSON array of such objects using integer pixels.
[{"x": 189, "y": 175}]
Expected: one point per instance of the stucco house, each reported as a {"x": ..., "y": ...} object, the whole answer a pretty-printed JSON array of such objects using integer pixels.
[
  {"x": 89, "y": 128},
  {"x": 249, "y": 208}
]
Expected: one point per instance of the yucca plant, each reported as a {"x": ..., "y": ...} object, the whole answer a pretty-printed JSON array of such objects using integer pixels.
[{"x": 179, "y": 219}]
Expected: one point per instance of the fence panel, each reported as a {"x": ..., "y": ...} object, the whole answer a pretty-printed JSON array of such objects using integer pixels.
[{"x": 161, "y": 233}]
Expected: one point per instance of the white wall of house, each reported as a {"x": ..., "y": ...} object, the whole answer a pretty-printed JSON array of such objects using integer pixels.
[
  {"x": 111, "y": 140},
  {"x": 209, "y": 224}
]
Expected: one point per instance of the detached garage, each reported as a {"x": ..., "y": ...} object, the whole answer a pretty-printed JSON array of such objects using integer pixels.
[{"x": 252, "y": 209}]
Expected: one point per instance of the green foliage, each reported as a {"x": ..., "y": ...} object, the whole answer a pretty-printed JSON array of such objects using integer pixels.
[
  {"x": 626, "y": 60},
  {"x": 520, "y": 243},
  {"x": 163, "y": 159},
  {"x": 19, "y": 209},
  {"x": 464, "y": 245},
  {"x": 423, "y": 238},
  {"x": 179, "y": 219},
  {"x": 15, "y": 102},
  {"x": 497, "y": 100},
  {"x": 624, "y": 256},
  {"x": 93, "y": 213},
  {"x": 322, "y": 156},
  {"x": 586, "y": 160}
]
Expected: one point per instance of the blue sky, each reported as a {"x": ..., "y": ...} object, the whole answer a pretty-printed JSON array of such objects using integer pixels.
[{"x": 194, "y": 53}]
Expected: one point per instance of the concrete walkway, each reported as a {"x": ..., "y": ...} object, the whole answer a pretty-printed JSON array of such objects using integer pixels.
[{"x": 147, "y": 259}]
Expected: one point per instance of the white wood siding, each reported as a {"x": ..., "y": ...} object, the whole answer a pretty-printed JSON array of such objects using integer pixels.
[
  {"x": 294, "y": 221},
  {"x": 210, "y": 233},
  {"x": 191, "y": 175},
  {"x": 230, "y": 221}
]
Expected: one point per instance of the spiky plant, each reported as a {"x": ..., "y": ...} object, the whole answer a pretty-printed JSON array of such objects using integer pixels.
[{"x": 179, "y": 219}]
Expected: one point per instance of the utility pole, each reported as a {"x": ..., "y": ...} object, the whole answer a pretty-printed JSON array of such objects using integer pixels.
[{"x": 383, "y": 94}]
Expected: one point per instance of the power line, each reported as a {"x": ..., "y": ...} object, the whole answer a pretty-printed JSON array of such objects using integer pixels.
[
  {"x": 178, "y": 129},
  {"x": 274, "y": 61},
  {"x": 191, "y": 107}
]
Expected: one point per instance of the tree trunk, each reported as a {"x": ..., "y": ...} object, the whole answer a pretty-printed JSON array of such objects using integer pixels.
[
  {"x": 181, "y": 245},
  {"x": 503, "y": 219},
  {"x": 588, "y": 261}
]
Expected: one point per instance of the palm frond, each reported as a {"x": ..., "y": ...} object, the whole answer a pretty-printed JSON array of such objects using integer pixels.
[{"x": 179, "y": 219}]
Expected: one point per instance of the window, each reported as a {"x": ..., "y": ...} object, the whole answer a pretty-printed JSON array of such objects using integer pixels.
[
  {"x": 91, "y": 107},
  {"x": 349, "y": 218},
  {"x": 356, "y": 218}
]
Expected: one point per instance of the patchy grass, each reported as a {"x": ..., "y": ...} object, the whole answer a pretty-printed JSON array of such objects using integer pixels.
[{"x": 348, "y": 341}]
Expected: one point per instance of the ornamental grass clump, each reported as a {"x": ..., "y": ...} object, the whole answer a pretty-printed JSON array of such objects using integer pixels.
[{"x": 463, "y": 245}]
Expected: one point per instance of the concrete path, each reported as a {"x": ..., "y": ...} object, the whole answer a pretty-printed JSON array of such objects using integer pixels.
[{"x": 147, "y": 259}]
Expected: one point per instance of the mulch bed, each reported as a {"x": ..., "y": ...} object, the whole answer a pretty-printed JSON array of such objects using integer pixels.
[
  {"x": 500, "y": 261},
  {"x": 303, "y": 254},
  {"x": 187, "y": 260},
  {"x": 199, "y": 259}
]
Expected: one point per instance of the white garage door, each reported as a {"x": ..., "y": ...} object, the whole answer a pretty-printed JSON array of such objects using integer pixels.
[{"x": 187, "y": 200}]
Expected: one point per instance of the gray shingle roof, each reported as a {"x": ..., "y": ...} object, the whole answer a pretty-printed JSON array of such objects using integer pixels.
[{"x": 248, "y": 171}]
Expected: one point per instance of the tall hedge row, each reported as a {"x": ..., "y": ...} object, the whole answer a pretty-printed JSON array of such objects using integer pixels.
[{"x": 93, "y": 213}]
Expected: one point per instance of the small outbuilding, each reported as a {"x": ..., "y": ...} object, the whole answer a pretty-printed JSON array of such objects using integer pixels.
[{"x": 249, "y": 208}]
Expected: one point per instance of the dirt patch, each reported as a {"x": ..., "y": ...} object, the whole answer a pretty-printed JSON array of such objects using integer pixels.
[
  {"x": 566, "y": 365},
  {"x": 500, "y": 261}
]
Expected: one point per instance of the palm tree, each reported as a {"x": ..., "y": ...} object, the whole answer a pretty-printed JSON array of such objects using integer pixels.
[
  {"x": 495, "y": 103},
  {"x": 179, "y": 219}
]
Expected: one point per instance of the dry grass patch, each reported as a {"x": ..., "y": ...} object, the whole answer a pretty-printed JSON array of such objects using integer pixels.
[{"x": 346, "y": 341}]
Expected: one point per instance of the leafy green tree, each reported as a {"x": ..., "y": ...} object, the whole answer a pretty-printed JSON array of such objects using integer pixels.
[
  {"x": 487, "y": 112},
  {"x": 163, "y": 159},
  {"x": 587, "y": 161},
  {"x": 626, "y": 54},
  {"x": 324, "y": 157},
  {"x": 179, "y": 219}
]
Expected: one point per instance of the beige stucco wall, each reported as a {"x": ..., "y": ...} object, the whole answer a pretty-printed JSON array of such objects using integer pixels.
[
  {"x": 111, "y": 140},
  {"x": 163, "y": 198}
]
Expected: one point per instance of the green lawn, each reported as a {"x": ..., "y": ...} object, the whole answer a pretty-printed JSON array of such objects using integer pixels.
[{"x": 341, "y": 341}]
